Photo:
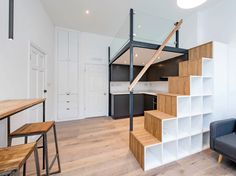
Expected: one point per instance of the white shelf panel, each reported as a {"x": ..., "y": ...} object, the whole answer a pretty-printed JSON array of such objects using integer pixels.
[
  {"x": 184, "y": 146},
  {"x": 153, "y": 157},
  {"x": 207, "y": 67},
  {"x": 196, "y": 105},
  {"x": 205, "y": 140},
  {"x": 169, "y": 130},
  {"x": 207, "y": 104},
  {"x": 196, "y": 143},
  {"x": 169, "y": 152},
  {"x": 196, "y": 124},
  {"x": 184, "y": 127},
  {"x": 207, "y": 119},
  {"x": 196, "y": 87},
  {"x": 183, "y": 106}
]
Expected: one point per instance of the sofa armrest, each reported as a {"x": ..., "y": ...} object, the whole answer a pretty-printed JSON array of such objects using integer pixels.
[{"x": 221, "y": 128}]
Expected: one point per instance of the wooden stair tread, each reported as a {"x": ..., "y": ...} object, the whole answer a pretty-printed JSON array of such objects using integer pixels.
[
  {"x": 144, "y": 137},
  {"x": 14, "y": 157},
  {"x": 170, "y": 94},
  {"x": 160, "y": 115},
  {"x": 33, "y": 128}
]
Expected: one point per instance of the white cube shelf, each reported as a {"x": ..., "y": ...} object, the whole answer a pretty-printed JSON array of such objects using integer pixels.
[
  {"x": 207, "y": 104},
  {"x": 207, "y": 67},
  {"x": 169, "y": 151},
  {"x": 196, "y": 143},
  {"x": 205, "y": 140},
  {"x": 207, "y": 86},
  {"x": 184, "y": 146},
  {"x": 169, "y": 130},
  {"x": 153, "y": 156},
  {"x": 196, "y": 105},
  {"x": 196, "y": 124},
  {"x": 196, "y": 85},
  {"x": 184, "y": 127},
  {"x": 183, "y": 106},
  {"x": 207, "y": 119}
]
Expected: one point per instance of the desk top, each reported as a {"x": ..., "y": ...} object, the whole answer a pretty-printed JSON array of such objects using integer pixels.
[{"x": 10, "y": 107}]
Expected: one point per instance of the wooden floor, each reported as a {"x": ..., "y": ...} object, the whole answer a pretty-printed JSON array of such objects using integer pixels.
[{"x": 99, "y": 147}]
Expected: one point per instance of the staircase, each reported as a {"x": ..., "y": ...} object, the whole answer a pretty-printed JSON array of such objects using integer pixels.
[{"x": 180, "y": 125}]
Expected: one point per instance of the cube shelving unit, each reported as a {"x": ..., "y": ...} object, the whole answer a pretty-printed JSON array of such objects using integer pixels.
[
  {"x": 196, "y": 86},
  {"x": 207, "y": 119},
  {"x": 169, "y": 130},
  {"x": 196, "y": 105},
  {"x": 183, "y": 106},
  {"x": 153, "y": 156},
  {"x": 184, "y": 127},
  {"x": 196, "y": 143},
  {"x": 196, "y": 124},
  {"x": 205, "y": 140},
  {"x": 169, "y": 151},
  {"x": 184, "y": 146}
]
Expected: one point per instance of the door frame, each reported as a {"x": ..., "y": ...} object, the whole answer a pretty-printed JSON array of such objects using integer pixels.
[{"x": 84, "y": 88}]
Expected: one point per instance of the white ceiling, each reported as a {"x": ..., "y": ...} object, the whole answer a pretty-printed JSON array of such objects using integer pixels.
[
  {"x": 106, "y": 16},
  {"x": 143, "y": 55}
]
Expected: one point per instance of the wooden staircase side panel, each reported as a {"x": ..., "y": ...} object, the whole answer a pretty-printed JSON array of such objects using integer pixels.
[
  {"x": 190, "y": 68},
  {"x": 167, "y": 104},
  {"x": 137, "y": 149},
  {"x": 205, "y": 50},
  {"x": 153, "y": 125},
  {"x": 179, "y": 85}
]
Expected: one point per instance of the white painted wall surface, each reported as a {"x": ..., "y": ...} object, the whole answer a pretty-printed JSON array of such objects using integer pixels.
[
  {"x": 31, "y": 24},
  {"x": 219, "y": 24}
]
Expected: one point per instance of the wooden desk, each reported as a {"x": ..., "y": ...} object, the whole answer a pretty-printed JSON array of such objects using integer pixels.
[{"x": 11, "y": 107}]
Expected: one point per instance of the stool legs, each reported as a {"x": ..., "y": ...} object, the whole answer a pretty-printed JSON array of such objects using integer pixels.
[
  {"x": 57, "y": 150},
  {"x": 36, "y": 157},
  {"x": 45, "y": 149}
]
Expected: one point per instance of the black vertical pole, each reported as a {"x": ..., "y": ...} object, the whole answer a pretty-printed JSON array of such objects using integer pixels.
[
  {"x": 177, "y": 37},
  {"x": 11, "y": 20},
  {"x": 131, "y": 69},
  {"x": 109, "y": 81}
]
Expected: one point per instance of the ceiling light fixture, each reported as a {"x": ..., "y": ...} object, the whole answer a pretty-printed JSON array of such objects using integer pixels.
[
  {"x": 87, "y": 12},
  {"x": 136, "y": 55},
  {"x": 139, "y": 26},
  {"x": 189, "y": 4}
]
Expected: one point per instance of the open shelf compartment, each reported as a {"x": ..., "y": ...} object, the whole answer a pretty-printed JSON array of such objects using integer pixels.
[
  {"x": 184, "y": 127},
  {"x": 153, "y": 156},
  {"x": 183, "y": 106},
  {"x": 207, "y": 104},
  {"x": 169, "y": 130},
  {"x": 207, "y": 119},
  {"x": 196, "y": 124},
  {"x": 196, "y": 85},
  {"x": 196, "y": 105},
  {"x": 184, "y": 146},
  {"x": 207, "y": 67},
  {"x": 169, "y": 151},
  {"x": 207, "y": 86},
  {"x": 206, "y": 140},
  {"x": 196, "y": 143}
]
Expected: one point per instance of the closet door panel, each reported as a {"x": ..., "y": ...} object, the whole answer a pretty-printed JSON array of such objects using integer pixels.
[
  {"x": 62, "y": 45},
  {"x": 63, "y": 77},
  {"x": 73, "y": 46},
  {"x": 73, "y": 77}
]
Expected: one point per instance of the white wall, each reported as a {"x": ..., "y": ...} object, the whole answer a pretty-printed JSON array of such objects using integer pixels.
[
  {"x": 219, "y": 24},
  {"x": 31, "y": 24}
]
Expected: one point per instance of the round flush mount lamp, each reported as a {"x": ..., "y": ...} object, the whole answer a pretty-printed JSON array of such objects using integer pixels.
[{"x": 189, "y": 4}]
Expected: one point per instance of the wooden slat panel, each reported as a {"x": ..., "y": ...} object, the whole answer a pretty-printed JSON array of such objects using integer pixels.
[
  {"x": 161, "y": 103},
  {"x": 205, "y": 50},
  {"x": 167, "y": 103},
  {"x": 174, "y": 106}
]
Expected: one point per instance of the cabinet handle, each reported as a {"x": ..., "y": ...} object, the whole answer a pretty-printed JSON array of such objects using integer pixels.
[
  {"x": 67, "y": 109},
  {"x": 67, "y": 101},
  {"x": 68, "y": 93}
]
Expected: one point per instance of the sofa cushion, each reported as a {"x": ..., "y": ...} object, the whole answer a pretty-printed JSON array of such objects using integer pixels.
[{"x": 227, "y": 145}]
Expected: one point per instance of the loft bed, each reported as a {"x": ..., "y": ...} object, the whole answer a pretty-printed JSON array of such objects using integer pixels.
[{"x": 140, "y": 37}]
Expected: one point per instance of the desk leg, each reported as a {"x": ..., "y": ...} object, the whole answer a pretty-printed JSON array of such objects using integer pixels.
[
  {"x": 8, "y": 131},
  {"x": 43, "y": 136}
]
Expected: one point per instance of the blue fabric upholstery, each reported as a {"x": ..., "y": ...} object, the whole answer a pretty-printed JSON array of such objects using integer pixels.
[{"x": 223, "y": 137}]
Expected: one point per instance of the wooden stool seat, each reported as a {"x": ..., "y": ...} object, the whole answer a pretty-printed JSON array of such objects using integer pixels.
[
  {"x": 13, "y": 158},
  {"x": 33, "y": 129}
]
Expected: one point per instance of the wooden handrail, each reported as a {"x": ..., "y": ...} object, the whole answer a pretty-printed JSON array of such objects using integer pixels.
[{"x": 155, "y": 56}]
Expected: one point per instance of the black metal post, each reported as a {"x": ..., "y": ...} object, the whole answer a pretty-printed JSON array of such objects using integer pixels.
[
  {"x": 8, "y": 131},
  {"x": 131, "y": 69},
  {"x": 44, "y": 118},
  {"x": 11, "y": 20},
  {"x": 177, "y": 37},
  {"x": 109, "y": 80}
]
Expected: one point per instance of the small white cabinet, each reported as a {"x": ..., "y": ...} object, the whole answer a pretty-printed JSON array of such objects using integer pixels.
[{"x": 67, "y": 74}]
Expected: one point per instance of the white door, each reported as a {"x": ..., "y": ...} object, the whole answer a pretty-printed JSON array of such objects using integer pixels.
[
  {"x": 37, "y": 81},
  {"x": 96, "y": 90}
]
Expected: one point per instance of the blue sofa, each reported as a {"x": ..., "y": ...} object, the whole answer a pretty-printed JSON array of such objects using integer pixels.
[{"x": 223, "y": 138}]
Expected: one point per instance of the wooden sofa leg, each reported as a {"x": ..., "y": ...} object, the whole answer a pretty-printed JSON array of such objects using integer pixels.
[{"x": 220, "y": 158}]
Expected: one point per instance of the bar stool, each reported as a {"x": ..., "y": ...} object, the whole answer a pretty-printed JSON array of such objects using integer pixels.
[
  {"x": 13, "y": 158},
  {"x": 42, "y": 129}
]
